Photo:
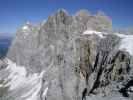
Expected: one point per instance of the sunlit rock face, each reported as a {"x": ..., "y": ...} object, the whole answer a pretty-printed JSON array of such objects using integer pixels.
[
  {"x": 34, "y": 43},
  {"x": 78, "y": 56}
]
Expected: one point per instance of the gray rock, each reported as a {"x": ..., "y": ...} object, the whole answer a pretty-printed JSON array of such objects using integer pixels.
[{"x": 76, "y": 65}]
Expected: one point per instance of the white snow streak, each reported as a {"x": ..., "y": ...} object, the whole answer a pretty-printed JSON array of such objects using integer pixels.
[
  {"x": 19, "y": 80},
  {"x": 45, "y": 92},
  {"x": 26, "y": 30},
  {"x": 91, "y": 32},
  {"x": 25, "y": 27}
]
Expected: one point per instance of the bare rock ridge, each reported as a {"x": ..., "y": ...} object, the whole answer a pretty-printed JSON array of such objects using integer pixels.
[
  {"x": 59, "y": 27},
  {"x": 79, "y": 54}
]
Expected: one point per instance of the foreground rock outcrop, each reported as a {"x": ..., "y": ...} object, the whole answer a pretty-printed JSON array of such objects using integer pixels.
[{"x": 79, "y": 55}]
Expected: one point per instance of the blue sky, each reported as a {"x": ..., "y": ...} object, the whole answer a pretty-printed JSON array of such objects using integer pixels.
[{"x": 13, "y": 13}]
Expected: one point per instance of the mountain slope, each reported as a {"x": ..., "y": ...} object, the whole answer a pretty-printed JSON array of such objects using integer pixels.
[{"x": 79, "y": 56}]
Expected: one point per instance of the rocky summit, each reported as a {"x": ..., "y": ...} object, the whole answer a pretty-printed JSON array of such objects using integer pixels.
[{"x": 68, "y": 57}]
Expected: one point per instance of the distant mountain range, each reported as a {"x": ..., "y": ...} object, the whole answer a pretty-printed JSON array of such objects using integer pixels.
[{"x": 5, "y": 41}]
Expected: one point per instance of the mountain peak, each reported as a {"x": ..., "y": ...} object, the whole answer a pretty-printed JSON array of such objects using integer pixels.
[
  {"x": 59, "y": 11},
  {"x": 83, "y": 12}
]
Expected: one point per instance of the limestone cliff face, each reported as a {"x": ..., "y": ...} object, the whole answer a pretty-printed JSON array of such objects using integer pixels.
[
  {"x": 33, "y": 43},
  {"x": 76, "y": 64}
]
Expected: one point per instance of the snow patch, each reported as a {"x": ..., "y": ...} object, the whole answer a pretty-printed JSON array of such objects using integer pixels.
[
  {"x": 45, "y": 92},
  {"x": 126, "y": 42},
  {"x": 1, "y": 85},
  {"x": 19, "y": 80},
  {"x": 91, "y": 32},
  {"x": 25, "y": 30},
  {"x": 25, "y": 27}
]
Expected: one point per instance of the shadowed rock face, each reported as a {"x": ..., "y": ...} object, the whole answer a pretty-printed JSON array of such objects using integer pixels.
[{"x": 76, "y": 65}]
